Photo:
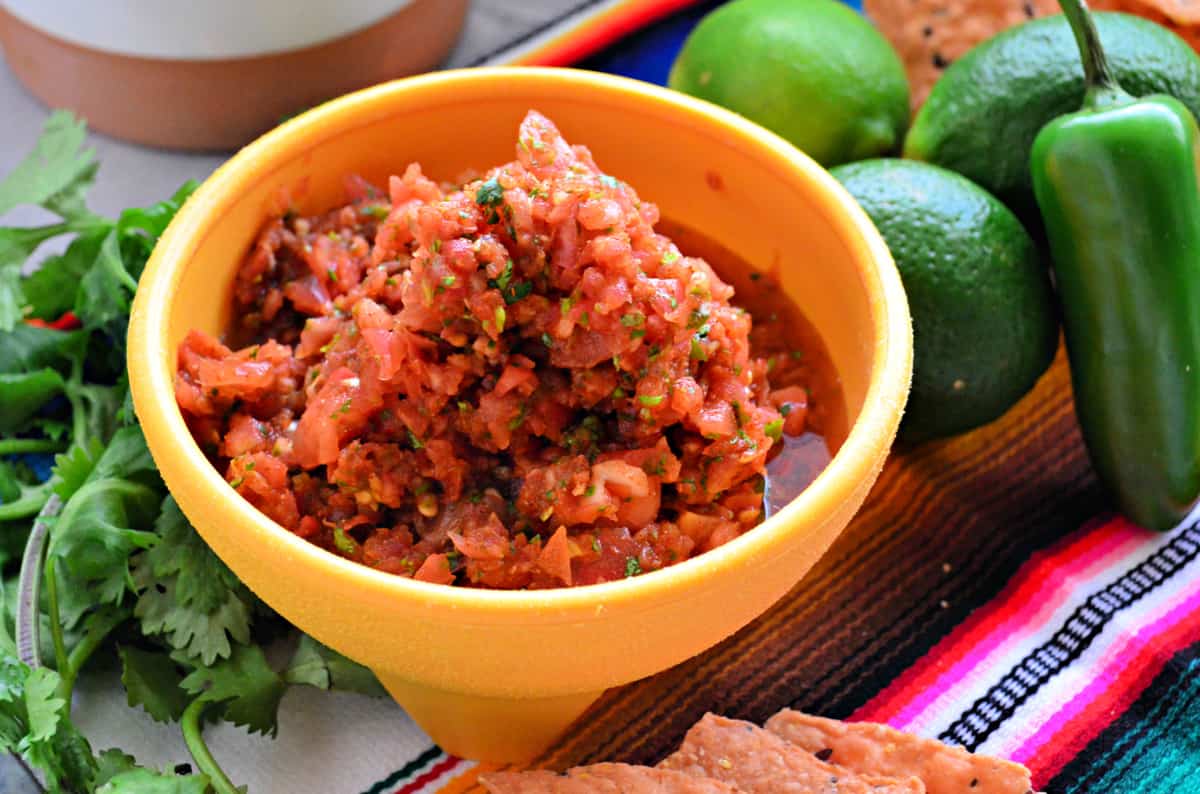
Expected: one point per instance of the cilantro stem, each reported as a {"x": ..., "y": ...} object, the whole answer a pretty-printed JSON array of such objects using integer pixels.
[
  {"x": 193, "y": 736},
  {"x": 78, "y": 415},
  {"x": 83, "y": 651},
  {"x": 20, "y": 446},
  {"x": 61, "y": 660},
  {"x": 26, "y": 505}
]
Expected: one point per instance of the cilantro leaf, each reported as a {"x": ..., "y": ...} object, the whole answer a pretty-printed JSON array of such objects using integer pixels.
[
  {"x": 111, "y": 763},
  {"x": 21, "y": 396},
  {"x": 50, "y": 290},
  {"x": 34, "y": 723},
  {"x": 490, "y": 193},
  {"x": 27, "y": 348},
  {"x": 42, "y": 705},
  {"x": 139, "y": 228},
  {"x": 245, "y": 683},
  {"x": 95, "y": 411},
  {"x": 103, "y": 523},
  {"x": 106, "y": 290},
  {"x": 316, "y": 665},
  {"x": 146, "y": 781},
  {"x": 12, "y": 702},
  {"x": 73, "y": 467},
  {"x": 70, "y": 203},
  {"x": 8, "y": 646},
  {"x": 187, "y": 594},
  {"x": 152, "y": 682},
  {"x": 126, "y": 456},
  {"x": 58, "y": 164},
  {"x": 16, "y": 246}
]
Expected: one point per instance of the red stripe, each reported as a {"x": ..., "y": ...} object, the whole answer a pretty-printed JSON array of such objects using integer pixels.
[
  {"x": 436, "y": 771},
  {"x": 1126, "y": 687},
  {"x": 594, "y": 36},
  {"x": 1026, "y": 585}
]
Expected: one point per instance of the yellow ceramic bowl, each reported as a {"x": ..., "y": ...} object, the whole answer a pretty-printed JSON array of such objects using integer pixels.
[{"x": 498, "y": 675}]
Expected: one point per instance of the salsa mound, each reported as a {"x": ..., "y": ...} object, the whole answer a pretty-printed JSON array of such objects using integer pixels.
[{"x": 510, "y": 383}]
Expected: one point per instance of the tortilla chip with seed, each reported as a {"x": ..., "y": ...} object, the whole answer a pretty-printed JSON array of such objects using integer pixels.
[
  {"x": 754, "y": 760},
  {"x": 929, "y": 35},
  {"x": 873, "y": 749}
]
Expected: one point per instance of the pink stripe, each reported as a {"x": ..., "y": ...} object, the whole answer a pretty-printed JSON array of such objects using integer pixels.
[
  {"x": 1108, "y": 667},
  {"x": 1026, "y": 621},
  {"x": 1019, "y": 590}
]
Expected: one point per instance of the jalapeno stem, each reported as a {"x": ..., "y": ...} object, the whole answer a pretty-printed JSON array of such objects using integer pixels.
[{"x": 1096, "y": 72}]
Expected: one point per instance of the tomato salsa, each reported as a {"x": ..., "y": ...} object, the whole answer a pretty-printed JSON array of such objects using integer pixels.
[{"x": 512, "y": 382}]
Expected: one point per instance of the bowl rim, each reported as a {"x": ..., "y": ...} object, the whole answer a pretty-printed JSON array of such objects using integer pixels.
[{"x": 857, "y": 460}]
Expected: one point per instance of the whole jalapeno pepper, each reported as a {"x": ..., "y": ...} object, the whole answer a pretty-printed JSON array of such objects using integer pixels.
[{"x": 1118, "y": 189}]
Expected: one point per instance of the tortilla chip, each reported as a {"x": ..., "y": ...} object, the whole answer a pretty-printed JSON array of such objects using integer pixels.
[
  {"x": 536, "y": 782},
  {"x": 929, "y": 35},
  {"x": 870, "y": 748},
  {"x": 754, "y": 760},
  {"x": 602, "y": 778},
  {"x": 1183, "y": 13},
  {"x": 1180, "y": 16}
]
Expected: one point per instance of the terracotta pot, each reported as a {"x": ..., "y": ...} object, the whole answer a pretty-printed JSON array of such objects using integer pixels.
[{"x": 214, "y": 75}]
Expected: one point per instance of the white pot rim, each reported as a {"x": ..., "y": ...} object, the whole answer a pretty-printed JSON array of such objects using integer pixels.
[{"x": 208, "y": 30}]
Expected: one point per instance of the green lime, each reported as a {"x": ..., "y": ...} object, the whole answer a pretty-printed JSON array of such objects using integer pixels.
[
  {"x": 984, "y": 323},
  {"x": 983, "y": 114},
  {"x": 813, "y": 71}
]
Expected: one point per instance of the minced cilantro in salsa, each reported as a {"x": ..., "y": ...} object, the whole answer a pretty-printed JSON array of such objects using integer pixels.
[{"x": 512, "y": 383}]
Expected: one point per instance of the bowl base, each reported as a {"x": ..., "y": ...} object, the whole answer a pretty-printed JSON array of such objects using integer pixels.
[{"x": 496, "y": 729}]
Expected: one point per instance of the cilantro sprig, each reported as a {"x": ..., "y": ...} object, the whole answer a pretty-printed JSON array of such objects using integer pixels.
[{"x": 96, "y": 559}]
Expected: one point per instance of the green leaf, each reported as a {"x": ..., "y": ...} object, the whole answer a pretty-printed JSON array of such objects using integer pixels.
[
  {"x": 316, "y": 665},
  {"x": 247, "y": 685},
  {"x": 490, "y": 193},
  {"x": 111, "y": 763},
  {"x": 51, "y": 289},
  {"x": 8, "y": 646},
  {"x": 42, "y": 705},
  {"x": 66, "y": 759},
  {"x": 106, "y": 290},
  {"x": 35, "y": 722},
  {"x": 73, "y": 467},
  {"x": 71, "y": 203},
  {"x": 140, "y": 228},
  {"x": 21, "y": 396},
  {"x": 26, "y": 348},
  {"x": 307, "y": 666},
  {"x": 126, "y": 456},
  {"x": 103, "y": 523},
  {"x": 11, "y": 296},
  {"x": 98, "y": 406},
  {"x": 146, "y": 781},
  {"x": 187, "y": 595},
  {"x": 12, "y": 702},
  {"x": 58, "y": 164},
  {"x": 16, "y": 246},
  {"x": 152, "y": 681}
]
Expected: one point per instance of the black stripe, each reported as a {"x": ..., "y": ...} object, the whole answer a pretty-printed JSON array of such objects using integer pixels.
[
  {"x": 1083, "y": 770},
  {"x": 890, "y": 649},
  {"x": 1069, "y": 642},
  {"x": 404, "y": 771},
  {"x": 535, "y": 32}
]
